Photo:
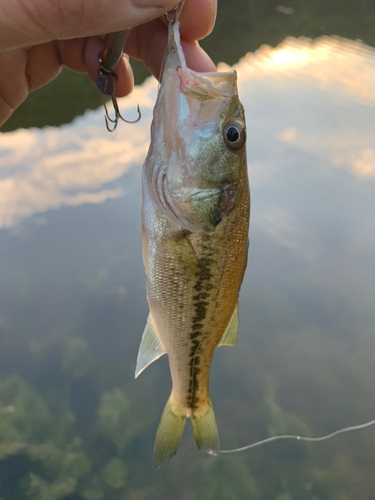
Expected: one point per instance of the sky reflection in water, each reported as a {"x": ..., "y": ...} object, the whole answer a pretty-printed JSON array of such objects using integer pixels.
[{"x": 72, "y": 298}]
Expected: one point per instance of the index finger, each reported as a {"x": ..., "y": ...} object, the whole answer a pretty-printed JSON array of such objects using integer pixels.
[
  {"x": 197, "y": 19},
  {"x": 25, "y": 23},
  {"x": 148, "y": 42}
]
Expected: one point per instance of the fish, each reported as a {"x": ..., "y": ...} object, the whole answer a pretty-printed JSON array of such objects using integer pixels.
[{"x": 195, "y": 223}]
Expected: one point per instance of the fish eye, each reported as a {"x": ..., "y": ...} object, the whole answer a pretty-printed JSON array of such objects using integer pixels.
[{"x": 234, "y": 135}]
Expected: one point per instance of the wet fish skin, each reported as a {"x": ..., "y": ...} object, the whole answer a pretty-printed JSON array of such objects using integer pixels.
[{"x": 195, "y": 219}]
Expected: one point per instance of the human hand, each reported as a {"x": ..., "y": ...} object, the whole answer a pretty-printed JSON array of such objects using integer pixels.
[{"x": 38, "y": 37}]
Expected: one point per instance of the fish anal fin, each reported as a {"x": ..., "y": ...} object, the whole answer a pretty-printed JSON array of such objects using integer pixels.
[
  {"x": 150, "y": 349},
  {"x": 230, "y": 335}
]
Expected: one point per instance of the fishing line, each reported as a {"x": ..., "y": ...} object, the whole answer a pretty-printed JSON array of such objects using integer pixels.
[{"x": 298, "y": 438}]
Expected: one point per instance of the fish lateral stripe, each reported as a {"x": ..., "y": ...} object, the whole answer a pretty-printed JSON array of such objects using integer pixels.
[{"x": 203, "y": 275}]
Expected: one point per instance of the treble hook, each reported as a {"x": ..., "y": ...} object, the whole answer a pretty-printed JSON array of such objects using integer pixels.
[
  {"x": 117, "y": 115},
  {"x": 106, "y": 80},
  {"x": 173, "y": 11}
]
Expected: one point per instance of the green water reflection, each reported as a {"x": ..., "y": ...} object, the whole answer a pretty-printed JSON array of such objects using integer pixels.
[
  {"x": 74, "y": 424},
  {"x": 242, "y": 26}
]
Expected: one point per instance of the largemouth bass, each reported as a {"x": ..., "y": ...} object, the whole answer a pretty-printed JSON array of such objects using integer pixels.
[{"x": 195, "y": 220}]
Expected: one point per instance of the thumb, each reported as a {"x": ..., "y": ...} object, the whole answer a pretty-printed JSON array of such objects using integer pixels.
[{"x": 30, "y": 22}]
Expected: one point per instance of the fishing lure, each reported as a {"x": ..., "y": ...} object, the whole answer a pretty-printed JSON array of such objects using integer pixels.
[{"x": 106, "y": 80}]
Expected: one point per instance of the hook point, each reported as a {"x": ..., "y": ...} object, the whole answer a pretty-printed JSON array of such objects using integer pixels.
[{"x": 118, "y": 115}]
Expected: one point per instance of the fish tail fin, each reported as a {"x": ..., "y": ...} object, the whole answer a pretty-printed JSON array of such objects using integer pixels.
[
  {"x": 169, "y": 432},
  {"x": 205, "y": 428}
]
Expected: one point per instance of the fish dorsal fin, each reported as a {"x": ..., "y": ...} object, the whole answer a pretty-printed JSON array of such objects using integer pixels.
[
  {"x": 230, "y": 335},
  {"x": 150, "y": 349}
]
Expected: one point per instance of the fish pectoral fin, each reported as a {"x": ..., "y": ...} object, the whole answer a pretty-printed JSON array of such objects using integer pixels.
[
  {"x": 150, "y": 349},
  {"x": 184, "y": 253},
  {"x": 230, "y": 335}
]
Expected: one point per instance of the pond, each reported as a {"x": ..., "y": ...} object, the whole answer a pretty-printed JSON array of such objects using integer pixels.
[{"x": 74, "y": 424}]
